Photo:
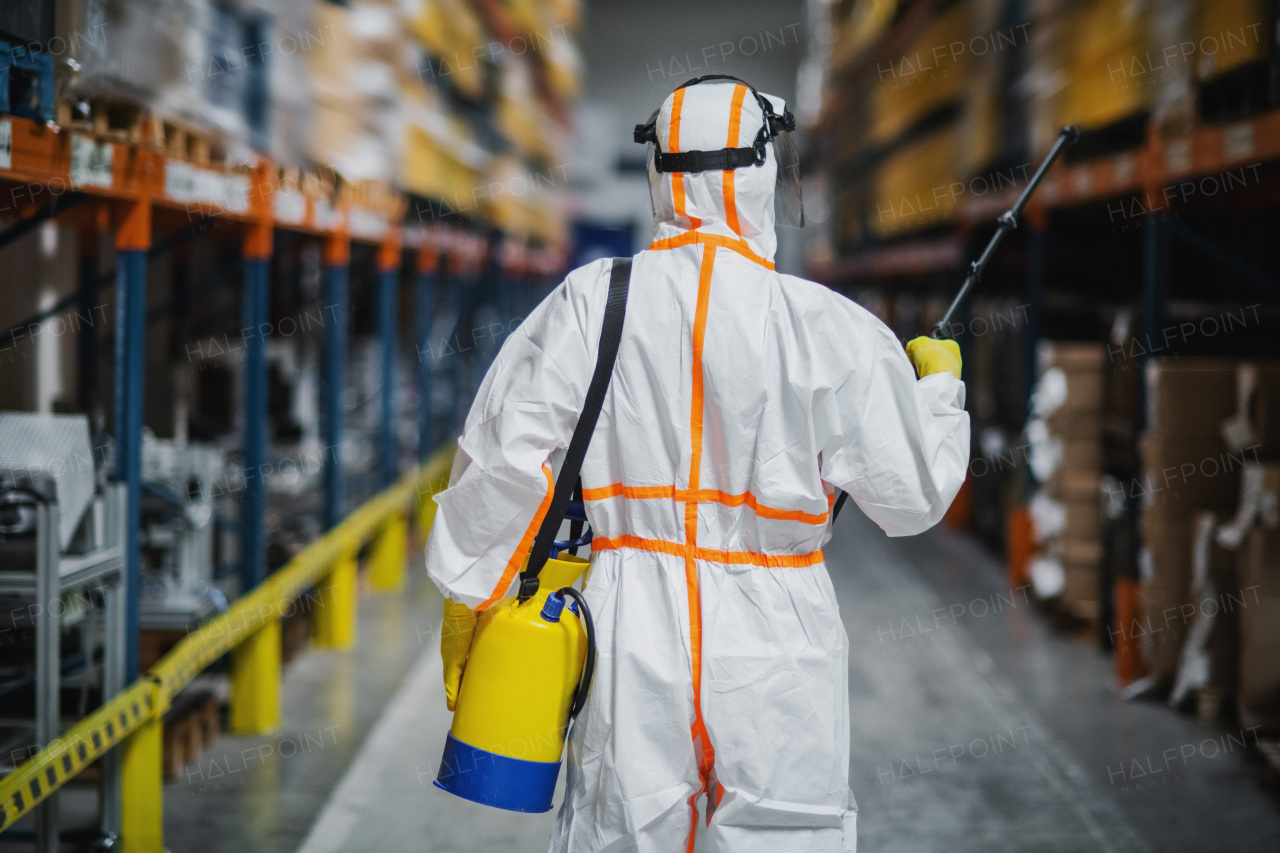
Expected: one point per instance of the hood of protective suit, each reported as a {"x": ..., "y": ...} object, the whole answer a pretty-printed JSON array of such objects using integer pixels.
[{"x": 734, "y": 203}]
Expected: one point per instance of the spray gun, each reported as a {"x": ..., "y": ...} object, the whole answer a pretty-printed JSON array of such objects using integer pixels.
[{"x": 1006, "y": 223}]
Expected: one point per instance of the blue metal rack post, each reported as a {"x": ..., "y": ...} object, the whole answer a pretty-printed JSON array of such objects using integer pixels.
[
  {"x": 455, "y": 283},
  {"x": 337, "y": 259},
  {"x": 425, "y": 310},
  {"x": 133, "y": 238},
  {"x": 255, "y": 305},
  {"x": 388, "y": 284}
]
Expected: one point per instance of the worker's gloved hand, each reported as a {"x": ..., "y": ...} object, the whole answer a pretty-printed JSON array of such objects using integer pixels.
[
  {"x": 930, "y": 356},
  {"x": 455, "y": 642}
]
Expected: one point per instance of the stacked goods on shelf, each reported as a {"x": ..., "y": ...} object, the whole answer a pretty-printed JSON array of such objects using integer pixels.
[
  {"x": 1231, "y": 608},
  {"x": 862, "y": 26},
  {"x": 912, "y": 127},
  {"x": 453, "y": 34},
  {"x": 526, "y": 202},
  {"x": 355, "y": 93},
  {"x": 1233, "y": 45},
  {"x": 914, "y": 103},
  {"x": 1187, "y": 401},
  {"x": 193, "y": 62},
  {"x": 295, "y": 33},
  {"x": 541, "y": 31},
  {"x": 520, "y": 116},
  {"x": 1258, "y": 613},
  {"x": 28, "y": 46},
  {"x": 1065, "y": 435},
  {"x": 1087, "y": 69},
  {"x": 913, "y": 188},
  {"x": 1173, "y": 105},
  {"x": 922, "y": 80},
  {"x": 1213, "y": 61},
  {"x": 517, "y": 66},
  {"x": 1208, "y": 420}
]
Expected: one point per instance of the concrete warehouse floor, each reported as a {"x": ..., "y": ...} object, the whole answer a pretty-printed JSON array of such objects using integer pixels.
[{"x": 976, "y": 727}]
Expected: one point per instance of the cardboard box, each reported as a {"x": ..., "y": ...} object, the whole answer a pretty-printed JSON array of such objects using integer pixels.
[
  {"x": 1191, "y": 471},
  {"x": 1264, "y": 410},
  {"x": 1080, "y": 591},
  {"x": 1162, "y": 629},
  {"x": 1083, "y": 522},
  {"x": 1069, "y": 484},
  {"x": 1067, "y": 422},
  {"x": 1081, "y": 552},
  {"x": 1224, "y": 645},
  {"x": 1082, "y": 454},
  {"x": 1072, "y": 356},
  {"x": 1190, "y": 396}
]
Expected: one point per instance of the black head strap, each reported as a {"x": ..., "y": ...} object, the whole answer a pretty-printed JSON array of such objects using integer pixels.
[{"x": 726, "y": 159}]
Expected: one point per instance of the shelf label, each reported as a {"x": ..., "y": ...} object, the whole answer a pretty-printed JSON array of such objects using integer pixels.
[
  {"x": 1084, "y": 181},
  {"x": 179, "y": 182},
  {"x": 6, "y": 145},
  {"x": 207, "y": 186},
  {"x": 290, "y": 206},
  {"x": 236, "y": 193},
  {"x": 1237, "y": 141},
  {"x": 367, "y": 224},
  {"x": 324, "y": 215},
  {"x": 91, "y": 162},
  {"x": 1123, "y": 170},
  {"x": 1177, "y": 157}
]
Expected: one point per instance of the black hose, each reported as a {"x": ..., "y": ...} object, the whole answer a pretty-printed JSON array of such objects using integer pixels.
[{"x": 589, "y": 668}]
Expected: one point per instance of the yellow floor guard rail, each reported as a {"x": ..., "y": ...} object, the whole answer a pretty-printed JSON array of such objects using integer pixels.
[{"x": 250, "y": 630}]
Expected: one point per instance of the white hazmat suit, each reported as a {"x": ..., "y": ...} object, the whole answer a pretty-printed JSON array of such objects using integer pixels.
[{"x": 740, "y": 401}]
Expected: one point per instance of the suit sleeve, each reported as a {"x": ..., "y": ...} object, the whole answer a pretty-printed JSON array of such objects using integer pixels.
[
  {"x": 501, "y": 484},
  {"x": 897, "y": 444}
]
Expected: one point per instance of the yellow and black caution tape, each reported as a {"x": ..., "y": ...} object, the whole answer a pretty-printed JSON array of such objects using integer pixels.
[
  {"x": 91, "y": 738},
  {"x": 50, "y": 768}
]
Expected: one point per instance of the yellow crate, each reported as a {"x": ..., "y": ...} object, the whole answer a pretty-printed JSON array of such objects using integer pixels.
[
  {"x": 916, "y": 188},
  {"x": 865, "y": 23},
  {"x": 925, "y": 76},
  {"x": 1101, "y": 54},
  {"x": 1227, "y": 34}
]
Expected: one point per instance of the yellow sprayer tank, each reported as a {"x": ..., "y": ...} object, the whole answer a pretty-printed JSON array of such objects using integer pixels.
[{"x": 518, "y": 688}]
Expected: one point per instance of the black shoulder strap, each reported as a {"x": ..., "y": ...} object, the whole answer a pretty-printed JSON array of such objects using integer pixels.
[
  {"x": 835, "y": 510},
  {"x": 610, "y": 335}
]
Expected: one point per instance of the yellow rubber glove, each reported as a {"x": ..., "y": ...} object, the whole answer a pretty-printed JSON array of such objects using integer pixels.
[
  {"x": 931, "y": 356},
  {"x": 455, "y": 642}
]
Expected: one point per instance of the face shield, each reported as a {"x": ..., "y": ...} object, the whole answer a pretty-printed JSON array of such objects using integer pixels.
[
  {"x": 775, "y": 131},
  {"x": 788, "y": 202}
]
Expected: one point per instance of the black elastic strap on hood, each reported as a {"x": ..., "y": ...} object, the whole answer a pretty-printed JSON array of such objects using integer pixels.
[{"x": 726, "y": 159}]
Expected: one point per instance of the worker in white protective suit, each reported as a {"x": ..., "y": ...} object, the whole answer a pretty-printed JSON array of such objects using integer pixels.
[{"x": 741, "y": 400}]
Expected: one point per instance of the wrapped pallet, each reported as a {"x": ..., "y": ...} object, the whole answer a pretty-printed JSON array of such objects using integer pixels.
[
  {"x": 194, "y": 62},
  {"x": 1066, "y": 438},
  {"x": 357, "y": 108},
  {"x": 1187, "y": 401},
  {"x": 1208, "y": 420},
  {"x": 1258, "y": 696}
]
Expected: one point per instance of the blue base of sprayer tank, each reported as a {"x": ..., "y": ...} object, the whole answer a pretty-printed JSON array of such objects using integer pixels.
[{"x": 496, "y": 780}]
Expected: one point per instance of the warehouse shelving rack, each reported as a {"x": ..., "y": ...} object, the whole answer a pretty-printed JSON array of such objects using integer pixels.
[
  {"x": 1145, "y": 178},
  {"x": 150, "y": 202}
]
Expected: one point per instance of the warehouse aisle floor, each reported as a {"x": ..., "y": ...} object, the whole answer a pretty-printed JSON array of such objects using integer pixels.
[{"x": 975, "y": 728}]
